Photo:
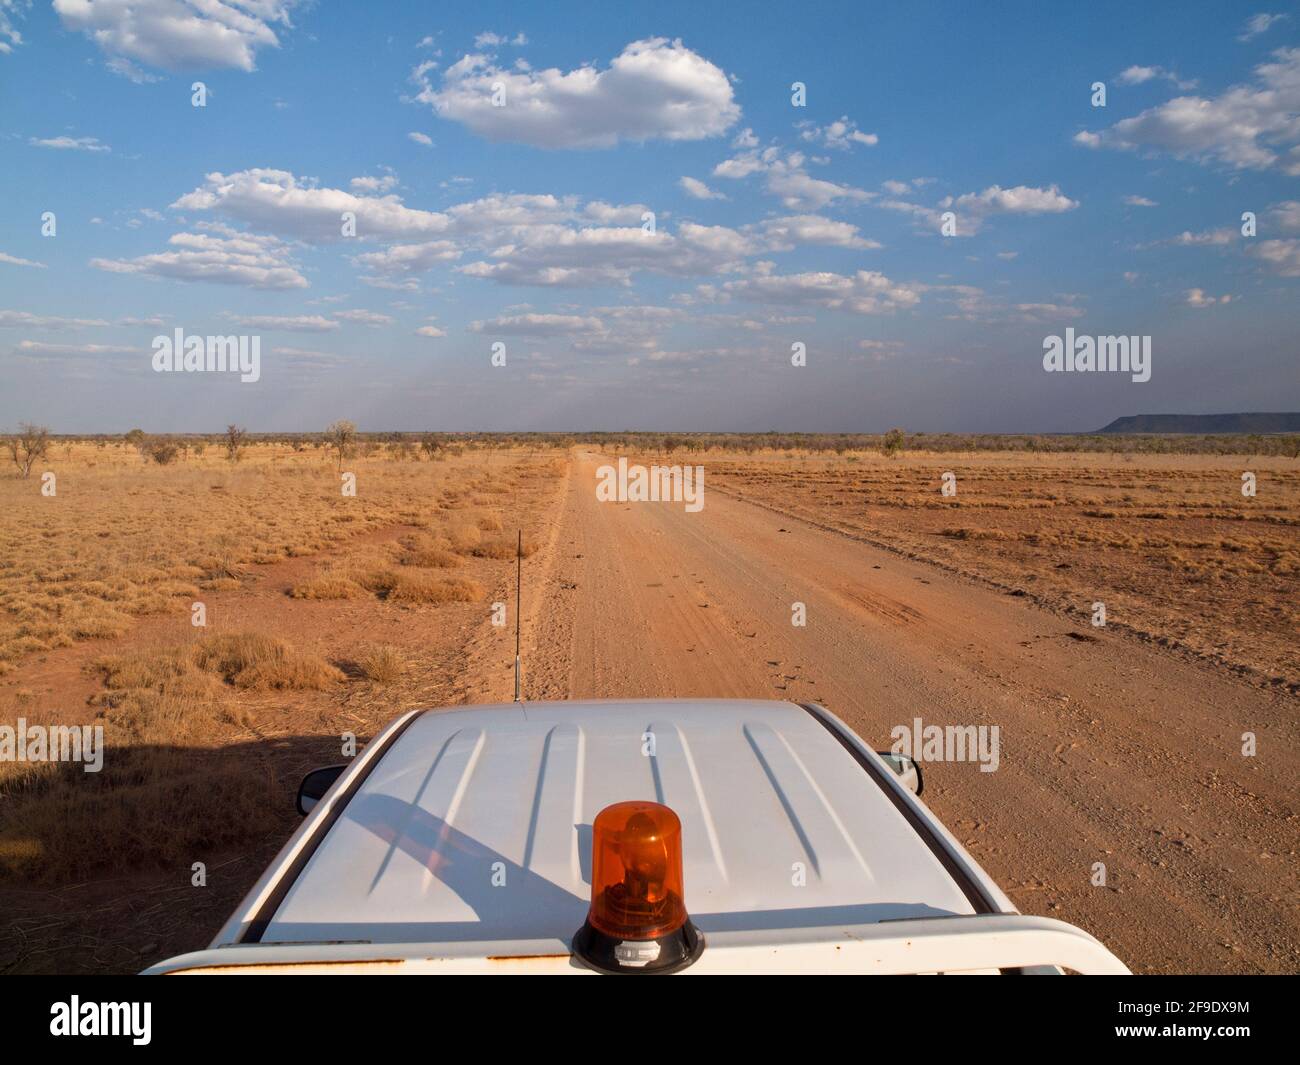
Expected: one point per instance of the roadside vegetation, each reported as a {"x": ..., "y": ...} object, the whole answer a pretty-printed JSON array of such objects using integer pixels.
[{"x": 207, "y": 734}]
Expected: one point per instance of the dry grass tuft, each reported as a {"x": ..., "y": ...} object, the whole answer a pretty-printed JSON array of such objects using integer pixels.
[
  {"x": 254, "y": 661},
  {"x": 503, "y": 548},
  {"x": 328, "y": 586},
  {"x": 430, "y": 552},
  {"x": 464, "y": 536},
  {"x": 382, "y": 664},
  {"x": 421, "y": 588}
]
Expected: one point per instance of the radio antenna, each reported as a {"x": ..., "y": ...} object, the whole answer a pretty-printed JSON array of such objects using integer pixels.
[{"x": 519, "y": 603}]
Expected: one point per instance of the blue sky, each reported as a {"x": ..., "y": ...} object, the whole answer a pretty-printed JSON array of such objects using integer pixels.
[{"x": 522, "y": 224}]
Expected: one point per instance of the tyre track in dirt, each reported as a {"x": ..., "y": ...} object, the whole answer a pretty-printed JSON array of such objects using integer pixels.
[{"x": 1111, "y": 751}]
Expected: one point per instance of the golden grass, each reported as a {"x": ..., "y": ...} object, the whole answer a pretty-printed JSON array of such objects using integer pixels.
[
  {"x": 171, "y": 787},
  {"x": 328, "y": 586},
  {"x": 382, "y": 664},
  {"x": 432, "y": 552},
  {"x": 420, "y": 588},
  {"x": 259, "y": 663},
  {"x": 123, "y": 539},
  {"x": 464, "y": 536},
  {"x": 206, "y": 739},
  {"x": 503, "y": 547}
]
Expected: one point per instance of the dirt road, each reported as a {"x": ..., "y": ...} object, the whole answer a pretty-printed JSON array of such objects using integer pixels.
[{"x": 1112, "y": 751}]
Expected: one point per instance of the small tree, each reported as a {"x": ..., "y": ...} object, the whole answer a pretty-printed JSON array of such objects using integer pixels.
[
  {"x": 891, "y": 444},
  {"x": 30, "y": 443},
  {"x": 162, "y": 452},
  {"x": 340, "y": 436},
  {"x": 430, "y": 445},
  {"x": 234, "y": 442}
]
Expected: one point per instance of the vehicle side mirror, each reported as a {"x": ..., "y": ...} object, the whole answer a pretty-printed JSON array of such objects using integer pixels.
[
  {"x": 906, "y": 768},
  {"x": 314, "y": 786}
]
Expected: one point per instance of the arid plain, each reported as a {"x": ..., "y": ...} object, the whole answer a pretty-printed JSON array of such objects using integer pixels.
[{"x": 327, "y": 614}]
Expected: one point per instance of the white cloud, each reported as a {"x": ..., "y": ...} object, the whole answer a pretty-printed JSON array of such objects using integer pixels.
[
  {"x": 304, "y": 323},
  {"x": 799, "y": 191},
  {"x": 1140, "y": 75},
  {"x": 73, "y": 144},
  {"x": 785, "y": 177},
  {"x": 409, "y": 258},
  {"x": 40, "y": 347},
  {"x": 430, "y": 331},
  {"x": 381, "y": 184},
  {"x": 278, "y": 201},
  {"x": 495, "y": 40},
  {"x": 14, "y": 260},
  {"x": 841, "y": 134},
  {"x": 124, "y": 68},
  {"x": 554, "y": 255},
  {"x": 880, "y": 345},
  {"x": 1046, "y": 312},
  {"x": 783, "y": 234},
  {"x": 518, "y": 238},
  {"x": 421, "y": 138},
  {"x": 1286, "y": 215},
  {"x": 407, "y": 285},
  {"x": 364, "y": 317},
  {"x": 1281, "y": 257},
  {"x": 750, "y": 161},
  {"x": 1197, "y": 298},
  {"x": 1209, "y": 238},
  {"x": 538, "y": 325},
  {"x": 179, "y": 34},
  {"x": 1140, "y": 201},
  {"x": 219, "y": 255},
  {"x": 27, "y": 320},
  {"x": 1257, "y": 24},
  {"x": 700, "y": 191},
  {"x": 1137, "y": 75},
  {"x": 865, "y": 292},
  {"x": 1246, "y": 127},
  {"x": 1022, "y": 199},
  {"x": 972, "y": 304},
  {"x": 973, "y": 209},
  {"x": 10, "y": 37},
  {"x": 656, "y": 89},
  {"x": 610, "y": 214}
]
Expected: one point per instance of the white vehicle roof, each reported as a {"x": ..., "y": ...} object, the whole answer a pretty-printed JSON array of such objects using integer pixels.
[
  {"x": 776, "y": 816},
  {"x": 464, "y": 836}
]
